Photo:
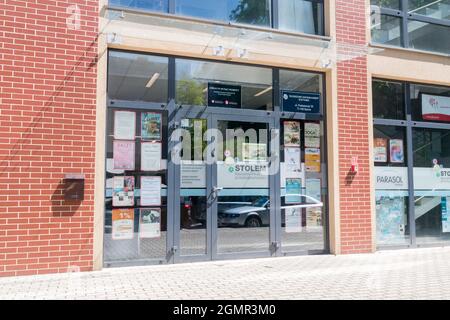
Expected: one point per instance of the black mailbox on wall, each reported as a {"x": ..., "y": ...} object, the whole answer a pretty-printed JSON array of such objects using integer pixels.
[{"x": 74, "y": 187}]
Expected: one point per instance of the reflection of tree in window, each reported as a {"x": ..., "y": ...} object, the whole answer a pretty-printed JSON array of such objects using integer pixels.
[
  {"x": 251, "y": 11},
  {"x": 190, "y": 92}
]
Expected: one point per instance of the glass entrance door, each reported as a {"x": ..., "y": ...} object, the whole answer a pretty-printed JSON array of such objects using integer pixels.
[{"x": 242, "y": 214}]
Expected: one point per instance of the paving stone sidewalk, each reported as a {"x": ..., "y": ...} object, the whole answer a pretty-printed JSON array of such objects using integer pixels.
[{"x": 399, "y": 274}]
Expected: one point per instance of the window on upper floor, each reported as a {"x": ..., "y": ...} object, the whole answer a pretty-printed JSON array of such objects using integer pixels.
[
  {"x": 417, "y": 24},
  {"x": 303, "y": 16}
]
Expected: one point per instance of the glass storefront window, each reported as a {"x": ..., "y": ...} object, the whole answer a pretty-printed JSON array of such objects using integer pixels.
[
  {"x": 431, "y": 8},
  {"x": 391, "y": 185},
  {"x": 388, "y": 100},
  {"x": 301, "y": 16},
  {"x": 239, "y": 11},
  {"x": 387, "y": 30},
  {"x": 429, "y": 37},
  {"x": 152, "y": 5},
  {"x": 202, "y": 83},
  {"x": 432, "y": 185},
  {"x": 430, "y": 103},
  {"x": 391, "y": 4},
  {"x": 137, "y": 77}
]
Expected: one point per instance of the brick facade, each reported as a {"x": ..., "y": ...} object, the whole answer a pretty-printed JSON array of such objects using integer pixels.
[
  {"x": 353, "y": 124},
  {"x": 47, "y": 128}
]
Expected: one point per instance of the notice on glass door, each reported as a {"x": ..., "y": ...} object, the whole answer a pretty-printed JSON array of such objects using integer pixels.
[
  {"x": 122, "y": 224},
  {"x": 292, "y": 160},
  {"x": 151, "y": 156},
  {"x": 123, "y": 153},
  {"x": 150, "y": 223},
  {"x": 123, "y": 191},
  {"x": 293, "y": 190},
  {"x": 124, "y": 125},
  {"x": 312, "y": 135},
  {"x": 445, "y": 214},
  {"x": 293, "y": 220},
  {"x": 150, "y": 191},
  {"x": 312, "y": 159}
]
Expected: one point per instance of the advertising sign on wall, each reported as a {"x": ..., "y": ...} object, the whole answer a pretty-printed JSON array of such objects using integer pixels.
[
  {"x": 297, "y": 101},
  {"x": 435, "y": 108},
  {"x": 223, "y": 95}
]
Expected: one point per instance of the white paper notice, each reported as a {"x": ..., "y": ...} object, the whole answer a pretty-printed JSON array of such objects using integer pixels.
[
  {"x": 151, "y": 156},
  {"x": 293, "y": 220},
  {"x": 292, "y": 160},
  {"x": 124, "y": 125},
  {"x": 150, "y": 223},
  {"x": 150, "y": 191}
]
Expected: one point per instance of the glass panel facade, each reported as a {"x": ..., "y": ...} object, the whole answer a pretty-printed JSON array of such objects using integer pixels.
[
  {"x": 426, "y": 215},
  {"x": 430, "y": 103},
  {"x": 431, "y": 8},
  {"x": 391, "y": 4},
  {"x": 137, "y": 77},
  {"x": 153, "y": 5},
  {"x": 301, "y": 16},
  {"x": 391, "y": 185},
  {"x": 202, "y": 83},
  {"x": 388, "y": 100},
  {"x": 254, "y": 12},
  {"x": 431, "y": 185},
  {"x": 428, "y": 36},
  {"x": 387, "y": 30}
]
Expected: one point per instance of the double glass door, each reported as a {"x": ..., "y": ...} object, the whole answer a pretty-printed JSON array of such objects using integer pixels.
[{"x": 222, "y": 164}]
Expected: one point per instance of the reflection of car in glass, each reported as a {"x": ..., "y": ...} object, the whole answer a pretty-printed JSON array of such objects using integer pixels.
[{"x": 255, "y": 215}]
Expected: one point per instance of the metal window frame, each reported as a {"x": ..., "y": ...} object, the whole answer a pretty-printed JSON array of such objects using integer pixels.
[
  {"x": 409, "y": 125},
  {"x": 405, "y": 16}
]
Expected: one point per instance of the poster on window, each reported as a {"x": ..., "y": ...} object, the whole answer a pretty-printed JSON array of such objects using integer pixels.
[
  {"x": 291, "y": 134},
  {"x": 292, "y": 162},
  {"x": 150, "y": 191},
  {"x": 396, "y": 151},
  {"x": 445, "y": 207},
  {"x": 151, "y": 126},
  {"x": 151, "y": 154},
  {"x": 313, "y": 189},
  {"x": 312, "y": 135},
  {"x": 313, "y": 219},
  {"x": 435, "y": 108},
  {"x": 380, "y": 150},
  {"x": 312, "y": 159},
  {"x": 254, "y": 151},
  {"x": 293, "y": 191},
  {"x": 123, "y": 154},
  {"x": 149, "y": 223},
  {"x": 122, "y": 224},
  {"x": 124, "y": 125},
  {"x": 293, "y": 220},
  {"x": 123, "y": 191}
]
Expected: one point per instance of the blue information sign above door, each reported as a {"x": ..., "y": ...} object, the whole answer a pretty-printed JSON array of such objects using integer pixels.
[
  {"x": 297, "y": 101},
  {"x": 223, "y": 95}
]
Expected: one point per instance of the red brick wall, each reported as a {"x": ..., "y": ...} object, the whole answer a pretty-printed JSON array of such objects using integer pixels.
[
  {"x": 47, "y": 129},
  {"x": 355, "y": 205}
]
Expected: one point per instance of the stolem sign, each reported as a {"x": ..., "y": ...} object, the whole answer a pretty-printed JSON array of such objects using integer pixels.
[{"x": 435, "y": 108}]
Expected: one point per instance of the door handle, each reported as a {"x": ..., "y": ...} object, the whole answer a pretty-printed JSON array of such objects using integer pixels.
[{"x": 214, "y": 193}]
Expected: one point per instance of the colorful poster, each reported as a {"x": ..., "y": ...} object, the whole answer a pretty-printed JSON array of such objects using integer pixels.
[
  {"x": 445, "y": 214},
  {"x": 151, "y": 154},
  {"x": 124, "y": 125},
  {"x": 380, "y": 150},
  {"x": 122, "y": 224},
  {"x": 151, "y": 126},
  {"x": 149, "y": 223},
  {"x": 435, "y": 108},
  {"x": 293, "y": 221},
  {"x": 312, "y": 135},
  {"x": 293, "y": 190},
  {"x": 123, "y": 153},
  {"x": 292, "y": 160},
  {"x": 291, "y": 134},
  {"x": 150, "y": 191},
  {"x": 313, "y": 218},
  {"x": 254, "y": 151},
  {"x": 313, "y": 189},
  {"x": 312, "y": 160},
  {"x": 123, "y": 191},
  {"x": 396, "y": 148}
]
